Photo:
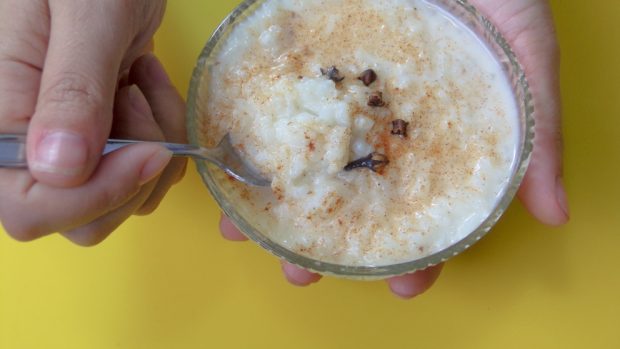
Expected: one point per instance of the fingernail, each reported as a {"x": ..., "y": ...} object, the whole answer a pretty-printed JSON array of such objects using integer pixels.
[
  {"x": 156, "y": 70},
  {"x": 562, "y": 198},
  {"x": 62, "y": 153},
  {"x": 138, "y": 101},
  {"x": 155, "y": 165}
]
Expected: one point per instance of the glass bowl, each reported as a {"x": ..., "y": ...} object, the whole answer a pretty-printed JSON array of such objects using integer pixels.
[{"x": 485, "y": 31}]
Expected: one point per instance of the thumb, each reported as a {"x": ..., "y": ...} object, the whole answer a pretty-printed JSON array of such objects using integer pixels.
[
  {"x": 528, "y": 26},
  {"x": 74, "y": 108},
  {"x": 542, "y": 191}
]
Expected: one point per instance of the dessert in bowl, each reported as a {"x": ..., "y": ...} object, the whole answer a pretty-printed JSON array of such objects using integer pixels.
[{"x": 395, "y": 132}]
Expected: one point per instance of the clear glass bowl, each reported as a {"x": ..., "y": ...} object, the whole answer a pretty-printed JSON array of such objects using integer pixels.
[{"x": 485, "y": 30}]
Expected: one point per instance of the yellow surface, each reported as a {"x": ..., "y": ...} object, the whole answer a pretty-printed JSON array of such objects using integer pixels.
[{"x": 169, "y": 280}]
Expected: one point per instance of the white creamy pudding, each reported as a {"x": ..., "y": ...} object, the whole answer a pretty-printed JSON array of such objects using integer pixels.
[{"x": 389, "y": 129}]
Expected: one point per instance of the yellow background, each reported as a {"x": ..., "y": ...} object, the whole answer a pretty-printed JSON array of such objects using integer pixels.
[{"x": 169, "y": 280}]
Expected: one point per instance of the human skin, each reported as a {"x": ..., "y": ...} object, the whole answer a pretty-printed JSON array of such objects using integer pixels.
[
  {"x": 528, "y": 26},
  {"x": 60, "y": 65}
]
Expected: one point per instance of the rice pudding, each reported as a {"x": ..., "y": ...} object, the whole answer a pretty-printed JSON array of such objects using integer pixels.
[{"x": 388, "y": 128}]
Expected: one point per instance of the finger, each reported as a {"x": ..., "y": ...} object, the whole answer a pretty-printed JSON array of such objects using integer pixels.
[
  {"x": 542, "y": 191},
  {"x": 98, "y": 230},
  {"x": 298, "y": 276},
  {"x": 119, "y": 178},
  {"x": 23, "y": 42},
  {"x": 123, "y": 80},
  {"x": 167, "y": 105},
  {"x": 412, "y": 285},
  {"x": 169, "y": 112},
  {"x": 74, "y": 107},
  {"x": 229, "y": 231},
  {"x": 170, "y": 176},
  {"x": 133, "y": 119}
]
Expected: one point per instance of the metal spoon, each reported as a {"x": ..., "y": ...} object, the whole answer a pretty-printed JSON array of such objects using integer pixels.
[{"x": 13, "y": 155}]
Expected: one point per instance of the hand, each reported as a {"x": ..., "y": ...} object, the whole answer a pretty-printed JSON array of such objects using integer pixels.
[
  {"x": 528, "y": 27},
  {"x": 60, "y": 64}
]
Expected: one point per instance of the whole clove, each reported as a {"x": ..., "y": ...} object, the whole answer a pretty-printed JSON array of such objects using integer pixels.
[
  {"x": 333, "y": 74},
  {"x": 368, "y": 77},
  {"x": 399, "y": 128},
  {"x": 374, "y": 162},
  {"x": 376, "y": 99}
]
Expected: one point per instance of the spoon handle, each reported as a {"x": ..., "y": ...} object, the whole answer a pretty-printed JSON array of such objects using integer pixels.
[{"x": 13, "y": 149}]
